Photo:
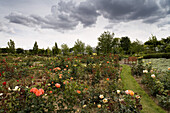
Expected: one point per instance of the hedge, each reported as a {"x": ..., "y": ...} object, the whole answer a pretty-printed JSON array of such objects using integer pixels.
[{"x": 157, "y": 55}]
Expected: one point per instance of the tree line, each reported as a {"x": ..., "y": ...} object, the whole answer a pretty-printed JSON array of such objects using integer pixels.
[{"x": 107, "y": 43}]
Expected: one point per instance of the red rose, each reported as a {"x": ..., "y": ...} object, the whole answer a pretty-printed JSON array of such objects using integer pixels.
[
  {"x": 17, "y": 80},
  {"x": 4, "y": 83}
]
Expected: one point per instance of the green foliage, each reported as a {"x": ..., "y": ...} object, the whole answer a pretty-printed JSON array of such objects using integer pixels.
[
  {"x": 55, "y": 49},
  {"x": 136, "y": 47},
  {"x": 89, "y": 49},
  {"x": 156, "y": 55},
  {"x": 125, "y": 43},
  {"x": 20, "y": 50},
  {"x": 137, "y": 69},
  {"x": 105, "y": 43},
  {"x": 11, "y": 46},
  {"x": 35, "y": 48},
  {"x": 64, "y": 49},
  {"x": 158, "y": 84},
  {"x": 79, "y": 47}
]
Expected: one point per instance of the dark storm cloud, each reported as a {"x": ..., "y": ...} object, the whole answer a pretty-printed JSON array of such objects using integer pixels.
[
  {"x": 126, "y": 10},
  {"x": 67, "y": 15}
]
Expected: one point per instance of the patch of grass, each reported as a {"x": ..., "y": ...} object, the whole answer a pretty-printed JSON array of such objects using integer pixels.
[{"x": 130, "y": 83}]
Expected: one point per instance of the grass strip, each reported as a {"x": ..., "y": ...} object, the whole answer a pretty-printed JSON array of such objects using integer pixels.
[{"x": 130, "y": 83}]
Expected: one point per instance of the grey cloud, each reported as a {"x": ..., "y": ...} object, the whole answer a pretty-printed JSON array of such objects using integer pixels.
[
  {"x": 19, "y": 18},
  {"x": 64, "y": 16},
  {"x": 67, "y": 15},
  {"x": 126, "y": 10}
]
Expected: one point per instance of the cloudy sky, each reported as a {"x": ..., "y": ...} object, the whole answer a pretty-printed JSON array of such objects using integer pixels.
[{"x": 65, "y": 21}]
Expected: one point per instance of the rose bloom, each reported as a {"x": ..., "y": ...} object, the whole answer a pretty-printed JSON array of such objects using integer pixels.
[
  {"x": 137, "y": 96},
  {"x": 4, "y": 83},
  {"x": 168, "y": 68},
  {"x": 57, "y": 85},
  {"x": 34, "y": 90},
  {"x": 101, "y": 96},
  {"x": 41, "y": 91},
  {"x": 51, "y": 91},
  {"x": 107, "y": 79},
  {"x": 99, "y": 105},
  {"x": 130, "y": 92},
  {"x": 105, "y": 100},
  {"x": 145, "y": 71},
  {"x": 78, "y": 91},
  {"x": 38, "y": 93},
  {"x": 153, "y": 76},
  {"x": 118, "y": 91},
  {"x": 71, "y": 78},
  {"x": 84, "y": 106},
  {"x": 151, "y": 71}
]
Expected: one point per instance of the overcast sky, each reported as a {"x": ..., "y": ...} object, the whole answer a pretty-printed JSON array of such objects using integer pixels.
[{"x": 65, "y": 21}]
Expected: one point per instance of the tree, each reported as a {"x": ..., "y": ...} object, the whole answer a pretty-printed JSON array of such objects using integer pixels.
[
  {"x": 105, "y": 43},
  {"x": 136, "y": 47},
  {"x": 165, "y": 47},
  {"x": 152, "y": 43},
  {"x": 89, "y": 49},
  {"x": 64, "y": 49},
  {"x": 116, "y": 45},
  {"x": 55, "y": 49},
  {"x": 19, "y": 50},
  {"x": 41, "y": 51},
  {"x": 11, "y": 45},
  {"x": 4, "y": 50},
  {"x": 79, "y": 47},
  {"x": 48, "y": 51},
  {"x": 35, "y": 48},
  {"x": 125, "y": 44}
]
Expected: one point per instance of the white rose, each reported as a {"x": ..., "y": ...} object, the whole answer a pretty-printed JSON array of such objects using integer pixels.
[
  {"x": 153, "y": 76},
  {"x": 9, "y": 89},
  {"x": 101, "y": 96},
  {"x": 118, "y": 91},
  {"x": 1, "y": 94},
  {"x": 105, "y": 100}
]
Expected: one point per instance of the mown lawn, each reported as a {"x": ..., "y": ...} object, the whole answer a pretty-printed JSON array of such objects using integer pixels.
[{"x": 130, "y": 83}]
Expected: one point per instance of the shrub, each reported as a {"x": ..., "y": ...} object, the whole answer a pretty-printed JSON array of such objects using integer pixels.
[{"x": 157, "y": 55}]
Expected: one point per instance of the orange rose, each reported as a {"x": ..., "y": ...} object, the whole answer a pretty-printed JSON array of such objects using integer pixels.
[
  {"x": 78, "y": 91},
  {"x": 42, "y": 91},
  {"x": 34, "y": 90},
  {"x": 130, "y": 92},
  {"x": 38, "y": 93},
  {"x": 57, "y": 85}
]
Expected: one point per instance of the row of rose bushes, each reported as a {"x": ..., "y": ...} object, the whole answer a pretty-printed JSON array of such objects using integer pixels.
[
  {"x": 157, "y": 82},
  {"x": 64, "y": 84}
]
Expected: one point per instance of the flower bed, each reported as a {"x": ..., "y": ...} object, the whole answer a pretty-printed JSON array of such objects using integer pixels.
[
  {"x": 64, "y": 84},
  {"x": 157, "y": 81}
]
